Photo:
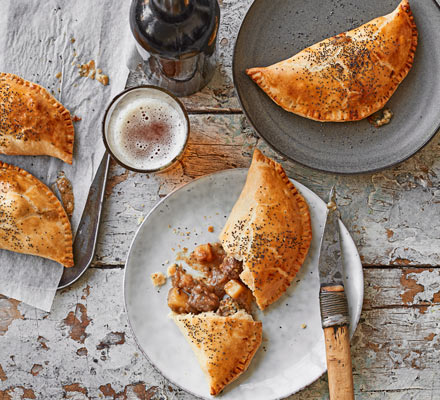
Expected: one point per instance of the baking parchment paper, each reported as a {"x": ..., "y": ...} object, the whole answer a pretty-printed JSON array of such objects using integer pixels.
[{"x": 44, "y": 41}]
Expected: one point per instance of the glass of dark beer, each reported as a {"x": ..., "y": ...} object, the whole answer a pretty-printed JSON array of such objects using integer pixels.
[{"x": 145, "y": 129}]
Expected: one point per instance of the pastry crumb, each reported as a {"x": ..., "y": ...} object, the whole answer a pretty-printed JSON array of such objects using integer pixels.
[
  {"x": 102, "y": 79},
  {"x": 303, "y": 326},
  {"x": 210, "y": 228},
  {"x": 89, "y": 70},
  {"x": 58, "y": 75},
  {"x": 171, "y": 270},
  {"x": 332, "y": 206},
  {"x": 75, "y": 118},
  {"x": 158, "y": 278},
  {"x": 383, "y": 118},
  {"x": 65, "y": 190},
  {"x": 140, "y": 219},
  {"x": 72, "y": 40}
]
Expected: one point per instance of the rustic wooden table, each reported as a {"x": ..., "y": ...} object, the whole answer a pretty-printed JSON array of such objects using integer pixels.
[{"x": 84, "y": 349}]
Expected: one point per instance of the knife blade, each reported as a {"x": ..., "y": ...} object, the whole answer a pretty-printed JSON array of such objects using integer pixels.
[
  {"x": 334, "y": 308},
  {"x": 330, "y": 257}
]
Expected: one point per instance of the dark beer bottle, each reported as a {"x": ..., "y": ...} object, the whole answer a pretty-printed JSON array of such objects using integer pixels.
[{"x": 177, "y": 40}]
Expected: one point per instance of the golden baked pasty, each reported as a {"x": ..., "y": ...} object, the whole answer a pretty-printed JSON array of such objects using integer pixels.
[
  {"x": 32, "y": 220},
  {"x": 268, "y": 230},
  {"x": 224, "y": 346},
  {"x": 346, "y": 77},
  {"x": 33, "y": 122}
]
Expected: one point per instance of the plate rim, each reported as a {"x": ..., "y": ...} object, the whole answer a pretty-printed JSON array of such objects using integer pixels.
[
  {"x": 125, "y": 291},
  {"x": 280, "y": 151}
]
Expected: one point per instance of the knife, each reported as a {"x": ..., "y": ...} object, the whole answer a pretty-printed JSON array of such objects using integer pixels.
[
  {"x": 334, "y": 308},
  {"x": 87, "y": 232}
]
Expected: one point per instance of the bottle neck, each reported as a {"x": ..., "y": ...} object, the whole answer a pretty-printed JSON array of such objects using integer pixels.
[{"x": 172, "y": 8}]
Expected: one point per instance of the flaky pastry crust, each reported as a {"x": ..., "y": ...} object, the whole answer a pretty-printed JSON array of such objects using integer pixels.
[
  {"x": 32, "y": 220},
  {"x": 224, "y": 346},
  {"x": 346, "y": 77},
  {"x": 269, "y": 230},
  {"x": 33, "y": 122}
]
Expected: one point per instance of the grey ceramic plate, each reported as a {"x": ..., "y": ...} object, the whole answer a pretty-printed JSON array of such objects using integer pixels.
[
  {"x": 290, "y": 357},
  {"x": 276, "y": 29}
]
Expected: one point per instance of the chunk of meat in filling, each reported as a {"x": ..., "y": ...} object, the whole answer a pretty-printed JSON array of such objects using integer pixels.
[
  {"x": 190, "y": 295},
  {"x": 202, "y": 299},
  {"x": 229, "y": 269}
]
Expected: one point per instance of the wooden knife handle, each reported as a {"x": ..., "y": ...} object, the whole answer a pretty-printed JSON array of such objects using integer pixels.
[{"x": 337, "y": 345}]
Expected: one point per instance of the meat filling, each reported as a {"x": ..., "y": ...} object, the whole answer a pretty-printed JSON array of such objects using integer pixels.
[
  {"x": 219, "y": 290},
  {"x": 229, "y": 269},
  {"x": 202, "y": 299},
  {"x": 228, "y": 307}
]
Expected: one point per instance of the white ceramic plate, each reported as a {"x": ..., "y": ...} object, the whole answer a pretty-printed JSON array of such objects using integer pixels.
[{"x": 290, "y": 357}]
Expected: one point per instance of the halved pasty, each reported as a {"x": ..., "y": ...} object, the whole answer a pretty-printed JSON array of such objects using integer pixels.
[
  {"x": 32, "y": 122},
  {"x": 224, "y": 346},
  {"x": 269, "y": 230},
  {"x": 32, "y": 220},
  {"x": 346, "y": 77}
]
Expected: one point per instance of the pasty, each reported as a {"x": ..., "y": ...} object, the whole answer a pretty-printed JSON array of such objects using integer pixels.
[
  {"x": 32, "y": 220},
  {"x": 346, "y": 77},
  {"x": 268, "y": 230},
  {"x": 32, "y": 122},
  {"x": 224, "y": 346}
]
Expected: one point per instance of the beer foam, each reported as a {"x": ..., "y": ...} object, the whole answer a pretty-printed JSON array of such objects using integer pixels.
[{"x": 147, "y": 130}]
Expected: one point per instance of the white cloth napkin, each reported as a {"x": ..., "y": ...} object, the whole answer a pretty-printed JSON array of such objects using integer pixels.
[{"x": 38, "y": 41}]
